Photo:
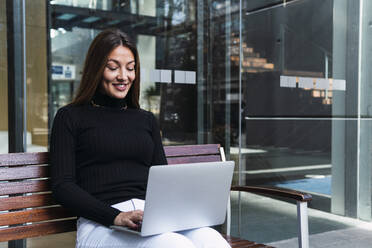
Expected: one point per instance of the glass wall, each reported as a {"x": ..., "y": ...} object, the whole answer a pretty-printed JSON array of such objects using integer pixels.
[
  {"x": 37, "y": 77},
  {"x": 166, "y": 36},
  {"x": 3, "y": 81},
  {"x": 285, "y": 87},
  {"x": 273, "y": 87},
  {"x": 32, "y": 92},
  {"x": 305, "y": 100},
  {"x": 287, "y": 96}
]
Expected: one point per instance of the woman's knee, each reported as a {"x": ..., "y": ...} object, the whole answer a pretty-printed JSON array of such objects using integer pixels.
[
  {"x": 170, "y": 240},
  {"x": 206, "y": 237},
  {"x": 203, "y": 232}
]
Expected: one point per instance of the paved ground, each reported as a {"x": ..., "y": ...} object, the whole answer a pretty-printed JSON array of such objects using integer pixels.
[
  {"x": 356, "y": 237},
  {"x": 274, "y": 222}
]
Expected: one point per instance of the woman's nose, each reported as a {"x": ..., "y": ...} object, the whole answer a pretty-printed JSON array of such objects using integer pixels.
[{"x": 122, "y": 75}]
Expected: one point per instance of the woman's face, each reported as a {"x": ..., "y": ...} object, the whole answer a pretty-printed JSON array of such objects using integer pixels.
[{"x": 119, "y": 73}]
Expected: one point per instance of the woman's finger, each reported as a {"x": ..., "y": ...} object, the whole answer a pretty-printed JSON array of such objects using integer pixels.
[
  {"x": 137, "y": 215},
  {"x": 129, "y": 218}
]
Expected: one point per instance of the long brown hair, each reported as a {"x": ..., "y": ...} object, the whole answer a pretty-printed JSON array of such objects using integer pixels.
[{"x": 95, "y": 63}]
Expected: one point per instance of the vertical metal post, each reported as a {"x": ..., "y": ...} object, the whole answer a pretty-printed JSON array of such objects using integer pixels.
[
  {"x": 16, "y": 72},
  {"x": 210, "y": 77},
  {"x": 365, "y": 127},
  {"x": 352, "y": 107},
  {"x": 49, "y": 67},
  {"x": 241, "y": 57},
  {"x": 346, "y": 135},
  {"x": 227, "y": 101},
  {"x": 227, "y": 226},
  {"x": 303, "y": 230},
  {"x": 200, "y": 73},
  {"x": 24, "y": 56},
  {"x": 339, "y": 140},
  {"x": 228, "y": 76}
]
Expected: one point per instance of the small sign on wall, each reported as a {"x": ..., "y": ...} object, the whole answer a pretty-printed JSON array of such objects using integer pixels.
[
  {"x": 63, "y": 72},
  {"x": 312, "y": 83},
  {"x": 185, "y": 77},
  {"x": 165, "y": 76}
]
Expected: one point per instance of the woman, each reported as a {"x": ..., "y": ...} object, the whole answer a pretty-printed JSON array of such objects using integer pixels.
[{"x": 102, "y": 146}]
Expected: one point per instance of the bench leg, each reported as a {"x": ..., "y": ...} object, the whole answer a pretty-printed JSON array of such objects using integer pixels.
[
  {"x": 228, "y": 217},
  {"x": 226, "y": 227},
  {"x": 303, "y": 226}
]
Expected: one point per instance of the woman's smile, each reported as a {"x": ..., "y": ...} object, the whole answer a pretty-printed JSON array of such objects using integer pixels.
[{"x": 120, "y": 86}]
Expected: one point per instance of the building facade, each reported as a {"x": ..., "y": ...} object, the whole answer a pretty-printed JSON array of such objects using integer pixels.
[{"x": 284, "y": 86}]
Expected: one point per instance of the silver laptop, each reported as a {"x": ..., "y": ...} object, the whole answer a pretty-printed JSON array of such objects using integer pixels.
[{"x": 185, "y": 196}]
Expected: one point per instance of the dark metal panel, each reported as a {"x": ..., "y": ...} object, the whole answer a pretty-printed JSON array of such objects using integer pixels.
[
  {"x": 14, "y": 13},
  {"x": 15, "y": 74}
]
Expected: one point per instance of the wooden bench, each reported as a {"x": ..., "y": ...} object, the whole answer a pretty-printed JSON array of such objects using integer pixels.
[{"x": 27, "y": 208}]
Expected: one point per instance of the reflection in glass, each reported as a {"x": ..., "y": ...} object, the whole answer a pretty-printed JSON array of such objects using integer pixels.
[
  {"x": 3, "y": 81},
  {"x": 37, "y": 79},
  {"x": 287, "y": 97},
  {"x": 166, "y": 40}
]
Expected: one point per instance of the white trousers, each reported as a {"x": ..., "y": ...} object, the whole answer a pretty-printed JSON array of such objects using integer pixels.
[{"x": 93, "y": 235}]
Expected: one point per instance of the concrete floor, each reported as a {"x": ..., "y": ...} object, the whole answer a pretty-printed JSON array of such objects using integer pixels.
[
  {"x": 356, "y": 237},
  {"x": 267, "y": 221},
  {"x": 274, "y": 222}
]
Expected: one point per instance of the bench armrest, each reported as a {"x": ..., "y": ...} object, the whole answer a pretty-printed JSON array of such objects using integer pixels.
[{"x": 275, "y": 191}]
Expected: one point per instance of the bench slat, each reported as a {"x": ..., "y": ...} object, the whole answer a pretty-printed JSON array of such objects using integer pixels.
[
  {"x": 15, "y": 159},
  {"x": 19, "y": 202},
  {"x": 29, "y": 186},
  {"x": 33, "y": 215},
  {"x": 24, "y": 172},
  {"x": 260, "y": 246},
  {"x": 41, "y": 229},
  {"x": 196, "y": 159},
  {"x": 191, "y": 150},
  {"x": 241, "y": 243}
]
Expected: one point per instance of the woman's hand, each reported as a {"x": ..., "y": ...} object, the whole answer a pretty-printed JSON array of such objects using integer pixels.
[{"x": 129, "y": 219}]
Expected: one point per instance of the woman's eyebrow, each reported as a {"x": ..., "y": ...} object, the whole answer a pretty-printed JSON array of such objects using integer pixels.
[
  {"x": 117, "y": 62},
  {"x": 113, "y": 60}
]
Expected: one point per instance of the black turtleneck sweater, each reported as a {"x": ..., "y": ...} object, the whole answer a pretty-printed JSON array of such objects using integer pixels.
[{"x": 101, "y": 155}]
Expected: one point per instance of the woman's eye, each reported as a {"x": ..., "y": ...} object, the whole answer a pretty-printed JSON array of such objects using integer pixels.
[
  {"x": 112, "y": 68},
  {"x": 130, "y": 69}
]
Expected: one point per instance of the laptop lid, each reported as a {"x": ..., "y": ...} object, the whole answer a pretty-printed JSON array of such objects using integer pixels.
[{"x": 186, "y": 196}]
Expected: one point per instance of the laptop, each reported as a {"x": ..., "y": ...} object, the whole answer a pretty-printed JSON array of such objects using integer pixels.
[{"x": 185, "y": 196}]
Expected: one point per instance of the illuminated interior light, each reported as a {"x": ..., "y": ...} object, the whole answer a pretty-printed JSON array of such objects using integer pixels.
[
  {"x": 91, "y": 19},
  {"x": 66, "y": 17}
]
